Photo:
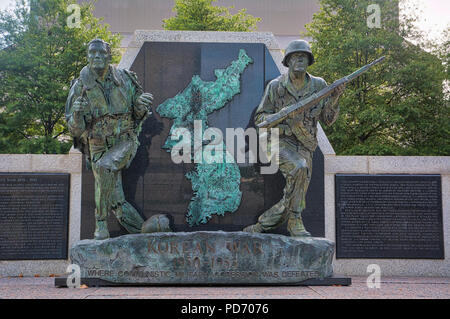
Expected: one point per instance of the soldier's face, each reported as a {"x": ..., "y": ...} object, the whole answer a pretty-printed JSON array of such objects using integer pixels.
[
  {"x": 298, "y": 62},
  {"x": 98, "y": 56}
]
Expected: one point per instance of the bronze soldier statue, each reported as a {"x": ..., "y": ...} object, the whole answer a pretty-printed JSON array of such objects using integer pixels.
[
  {"x": 298, "y": 135},
  {"x": 105, "y": 110}
]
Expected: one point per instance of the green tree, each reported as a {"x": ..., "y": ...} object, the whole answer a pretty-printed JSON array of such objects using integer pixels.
[
  {"x": 201, "y": 15},
  {"x": 40, "y": 54},
  {"x": 397, "y": 108}
]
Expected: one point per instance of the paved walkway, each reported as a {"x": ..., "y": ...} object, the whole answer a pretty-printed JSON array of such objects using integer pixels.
[{"x": 43, "y": 288}]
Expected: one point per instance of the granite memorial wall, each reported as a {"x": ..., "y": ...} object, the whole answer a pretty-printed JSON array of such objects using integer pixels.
[{"x": 156, "y": 185}]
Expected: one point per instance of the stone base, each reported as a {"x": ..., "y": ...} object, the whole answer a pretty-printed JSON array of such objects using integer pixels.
[
  {"x": 204, "y": 258},
  {"x": 61, "y": 282}
]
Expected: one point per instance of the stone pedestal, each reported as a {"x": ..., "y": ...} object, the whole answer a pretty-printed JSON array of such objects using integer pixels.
[{"x": 204, "y": 258}]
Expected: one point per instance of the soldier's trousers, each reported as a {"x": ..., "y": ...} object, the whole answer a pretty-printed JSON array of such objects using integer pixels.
[
  {"x": 109, "y": 196},
  {"x": 295, "y": 163}
]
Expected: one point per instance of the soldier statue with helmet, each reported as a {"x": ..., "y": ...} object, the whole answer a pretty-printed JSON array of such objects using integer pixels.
[{"x": 298, "y": 135}]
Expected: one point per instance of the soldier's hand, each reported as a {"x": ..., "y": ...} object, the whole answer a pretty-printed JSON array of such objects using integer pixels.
[
  {"x": 338, "y": 91},
  {"x": 80, "y": 109},
  {"x": 80, "y": 105},
  {"x": 284, "y": 128},
  {"x": 146, "y": 99},
  {"x": 143, "y": 105}
]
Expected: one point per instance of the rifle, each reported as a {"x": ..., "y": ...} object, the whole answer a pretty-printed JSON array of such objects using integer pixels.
[{"x": 313, "y": 99}]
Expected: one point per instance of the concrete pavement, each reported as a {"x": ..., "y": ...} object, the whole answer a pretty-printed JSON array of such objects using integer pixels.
[{"x": 391, "y": 288}]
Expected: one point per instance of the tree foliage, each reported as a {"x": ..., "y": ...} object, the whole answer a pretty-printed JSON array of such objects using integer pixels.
[
  {"x": 39, "y": 57},
  {"x": 398, "y": 107},
  {"x": 202, "y": 15}
]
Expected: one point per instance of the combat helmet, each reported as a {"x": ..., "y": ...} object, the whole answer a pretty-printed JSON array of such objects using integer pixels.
[{"x": 298, "y": 46}]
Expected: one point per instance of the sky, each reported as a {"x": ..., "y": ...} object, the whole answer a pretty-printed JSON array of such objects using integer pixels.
[{"x": 434, "y": 15}]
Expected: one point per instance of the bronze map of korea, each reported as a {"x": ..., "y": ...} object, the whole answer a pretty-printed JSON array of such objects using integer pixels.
[{"x": 216, "y": 186}]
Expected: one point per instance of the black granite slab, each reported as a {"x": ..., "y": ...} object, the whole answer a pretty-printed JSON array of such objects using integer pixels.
[
  {"x": 389, "y": 216},
  {"x": 155, "y": 185},
  {"x": 34, "y": 216},
  {"x": 61, "y": 282}
]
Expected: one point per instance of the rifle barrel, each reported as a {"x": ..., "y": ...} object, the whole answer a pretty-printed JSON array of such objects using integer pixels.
[
  {"x": 315, "y": 98},
  {"x": 364, "y": 69}
]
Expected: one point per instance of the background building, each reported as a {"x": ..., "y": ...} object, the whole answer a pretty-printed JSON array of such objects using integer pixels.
[{"x": 284, "y": 18}]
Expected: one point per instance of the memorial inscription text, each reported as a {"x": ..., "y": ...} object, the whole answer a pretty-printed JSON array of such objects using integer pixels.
[
  {"x": 204, "y": 257},
  {"x": 33, "y": 216},
  {"x": 389, "y": 216}
]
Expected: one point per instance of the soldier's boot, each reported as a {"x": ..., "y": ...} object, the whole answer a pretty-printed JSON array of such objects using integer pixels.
[
  {"x": 256, "y": 228},
  {"x": 129, "y": 218},
  {"x": 270, "y": 219},
  {"x": 101, "y": 230},
  {"x": 295, "y": 226}
]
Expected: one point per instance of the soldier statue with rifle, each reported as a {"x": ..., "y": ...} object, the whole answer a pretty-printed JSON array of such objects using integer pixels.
[{"x": 295, "y": 102}]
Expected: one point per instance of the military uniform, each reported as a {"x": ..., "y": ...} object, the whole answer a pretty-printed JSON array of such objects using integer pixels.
[
  {"x": 298, "y": 141},
  {"x": 106, "y": 129}
]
